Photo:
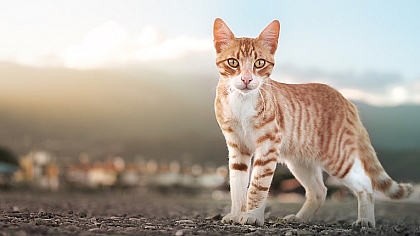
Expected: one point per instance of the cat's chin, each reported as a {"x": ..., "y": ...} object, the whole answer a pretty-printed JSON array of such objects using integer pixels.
[{"x": 246, "y": 91}]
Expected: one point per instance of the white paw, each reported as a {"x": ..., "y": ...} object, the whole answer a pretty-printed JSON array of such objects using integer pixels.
[
  {"x": 251, "y": 219},
  {"x": 230, "y": 218},
  {"x": 292, "y": 218},
  {"x": 364, "y": 222}
]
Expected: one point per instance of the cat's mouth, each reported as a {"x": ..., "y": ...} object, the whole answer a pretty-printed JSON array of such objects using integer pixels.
[{"x": 245, "y": 89}]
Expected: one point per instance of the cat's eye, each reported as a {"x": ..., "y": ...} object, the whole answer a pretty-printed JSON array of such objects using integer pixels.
[
  {"x": 233, "y": 62},
  {"x": 259, "y": 63}
]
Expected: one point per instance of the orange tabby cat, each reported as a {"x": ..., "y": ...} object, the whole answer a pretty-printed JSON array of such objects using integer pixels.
[{"x": 309, "y": 127}]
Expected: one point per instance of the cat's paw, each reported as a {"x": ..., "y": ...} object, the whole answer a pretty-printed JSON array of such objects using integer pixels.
[
  {"x": 247, "y": 218},
  {"x": 292, "y": 217},
  {"x": 363, "y": 222},
  {"x": 230, "y": 218}
]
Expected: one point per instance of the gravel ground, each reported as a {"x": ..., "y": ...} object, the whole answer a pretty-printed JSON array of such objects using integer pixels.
[{"x": 133, "y": 212}]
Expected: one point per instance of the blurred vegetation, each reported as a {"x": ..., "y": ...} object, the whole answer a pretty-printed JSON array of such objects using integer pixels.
[
  {"x": 401, "y": 165},
  {"x": 7, "y": 156}
]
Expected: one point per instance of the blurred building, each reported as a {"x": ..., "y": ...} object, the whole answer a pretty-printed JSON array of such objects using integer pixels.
[{"x": 40, "y": 168}]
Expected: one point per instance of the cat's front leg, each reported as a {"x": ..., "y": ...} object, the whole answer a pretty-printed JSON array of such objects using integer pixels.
[
  {"x": 239, "y": 167},
  {"x": 262, "y": 174}
]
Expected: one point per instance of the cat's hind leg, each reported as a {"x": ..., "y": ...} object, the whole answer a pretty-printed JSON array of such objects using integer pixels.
[
  {"x": 310, "y": 177},
  {"x": 358, "y": 181}
]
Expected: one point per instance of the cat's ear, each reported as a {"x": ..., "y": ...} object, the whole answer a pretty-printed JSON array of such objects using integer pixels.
[
  {"x": 222, "y": 34},
  {"x": 270, "y": 36}
]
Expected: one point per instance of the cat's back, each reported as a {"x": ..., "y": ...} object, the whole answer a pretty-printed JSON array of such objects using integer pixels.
[
  {"x": 314, "y": 110},
  {"x": 312, "y": 95}
]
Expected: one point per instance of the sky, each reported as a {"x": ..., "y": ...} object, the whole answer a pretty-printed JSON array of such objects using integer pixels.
[{"x": 368, "y": 50}]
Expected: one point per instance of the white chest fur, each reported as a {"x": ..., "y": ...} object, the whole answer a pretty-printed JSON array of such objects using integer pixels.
[{"x": 243, "y": 110}]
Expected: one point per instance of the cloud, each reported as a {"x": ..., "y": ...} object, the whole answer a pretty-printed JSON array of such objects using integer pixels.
[
  {"x": 100, "y": 45},
  {"x": 110, "y": 44},
  {"x": 172, "y": 48},
  {"x": 372, "y": 80},
  {"x": 394, "y": 96},
  {"x": 372, "y": 87},
  {"x": 107, "y": 45}
]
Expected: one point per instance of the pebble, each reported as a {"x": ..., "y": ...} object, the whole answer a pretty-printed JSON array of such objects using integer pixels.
[
  {"x": 216, "y": 217},
  {"x": 82, "y": 214},
  {"x": 179, "y": 233},
  {"x": 289, "y": 233},
  {"x": 252, "y": 229},
  {"x": 184, "y": 222},
  {"x": 94, "y": 230},
  {"x": 149, "y": 227},
  {"x": 72, "y": 228}
]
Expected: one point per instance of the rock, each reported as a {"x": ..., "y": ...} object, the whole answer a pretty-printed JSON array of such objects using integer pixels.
[
  {"x": 82, "y": 214},
  {"x": 15, "y": 209},
  {"x": 217, "y": 217}
]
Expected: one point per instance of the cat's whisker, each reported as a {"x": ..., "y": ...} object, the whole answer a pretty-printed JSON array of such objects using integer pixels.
[
  {"x": 273, "y": 100},
  {"x": 271, "y": 96},
  {"x": 263, "y": 101},
  {"x": 272, "y": 86}
]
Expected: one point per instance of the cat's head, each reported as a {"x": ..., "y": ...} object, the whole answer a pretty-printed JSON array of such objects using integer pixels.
[{"x": 245, "y": 63}]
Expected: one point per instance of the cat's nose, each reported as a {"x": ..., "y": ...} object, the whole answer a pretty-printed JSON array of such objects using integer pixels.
[
  {"x": 246, "y": 80},
  {"x": 246, "y": 77}
]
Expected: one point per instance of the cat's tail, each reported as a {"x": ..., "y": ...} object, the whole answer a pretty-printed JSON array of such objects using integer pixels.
[{"x": 381, "y": 181}]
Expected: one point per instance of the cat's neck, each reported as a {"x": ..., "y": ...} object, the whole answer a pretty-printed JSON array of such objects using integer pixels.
[{"x": 244, "y": 105}]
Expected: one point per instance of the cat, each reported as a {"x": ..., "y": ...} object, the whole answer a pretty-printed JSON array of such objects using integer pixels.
[{"x": 309, "y": 127}]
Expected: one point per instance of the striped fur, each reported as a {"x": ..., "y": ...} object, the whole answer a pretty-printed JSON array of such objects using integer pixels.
[{"x": 309, "y": 127}]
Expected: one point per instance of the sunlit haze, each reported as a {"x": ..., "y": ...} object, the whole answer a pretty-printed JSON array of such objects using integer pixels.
[{"x": 368, "y": 50}]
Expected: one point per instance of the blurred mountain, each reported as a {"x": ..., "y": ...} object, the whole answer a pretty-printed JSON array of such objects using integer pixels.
[
  {"x": 392, "y": 127},
  {"x": 149, "y": 112},
  {"x": 395, "y": 134},
  {"x": 62, "y": 109},
  {"x": 111, "y": 103}
]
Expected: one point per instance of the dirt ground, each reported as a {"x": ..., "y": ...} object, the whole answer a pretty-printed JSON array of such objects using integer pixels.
[{"x": 134, "y": 212}]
